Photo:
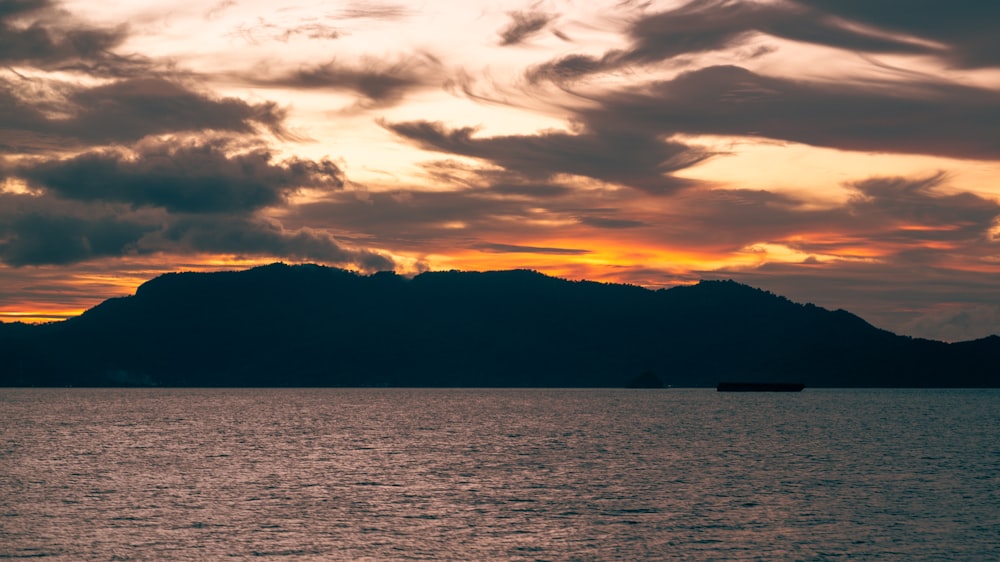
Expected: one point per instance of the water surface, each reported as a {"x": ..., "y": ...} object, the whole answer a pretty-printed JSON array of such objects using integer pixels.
[{"x": 525, "y": 474}]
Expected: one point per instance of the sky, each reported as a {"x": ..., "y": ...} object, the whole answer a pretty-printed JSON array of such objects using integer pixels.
[{"x": 842, "y": 153}]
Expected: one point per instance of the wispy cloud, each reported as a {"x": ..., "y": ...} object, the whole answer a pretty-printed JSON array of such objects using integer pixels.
[
  {"x": 634, "y": 159},
  {"x": 965, "y": 31},
  {"x": 515, "y": 249},
  {"x": 523, "y": 25},
  {"x": 262, "y": 31},
  {"x": 963, "y": 37},
  {"x": 374, "y": 10},
  {"x": 378, "y": 82},
  {"x": 920, "y": 117}
]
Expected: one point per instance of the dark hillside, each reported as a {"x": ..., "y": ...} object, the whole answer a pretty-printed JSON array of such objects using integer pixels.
[{"x": 309, "y": 325}]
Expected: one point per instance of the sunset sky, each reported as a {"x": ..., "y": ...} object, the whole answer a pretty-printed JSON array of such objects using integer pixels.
[{"x": 844, "y": 153}]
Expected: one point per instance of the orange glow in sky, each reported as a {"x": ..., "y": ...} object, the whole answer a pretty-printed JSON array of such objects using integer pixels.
[{"x": 839, "y": 154}]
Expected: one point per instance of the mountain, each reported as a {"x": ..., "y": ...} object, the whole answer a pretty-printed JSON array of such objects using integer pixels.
[{"x": 309, "y": 325}]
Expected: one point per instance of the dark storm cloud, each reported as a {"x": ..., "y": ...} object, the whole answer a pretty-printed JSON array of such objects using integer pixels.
[
  {"x": 17, "y": 7},
  {"x": 69, "y": 115},
  {"x": 44, "y": 230},
  {"x": 21, "y": 120},
  {"x": 40, "y": 229},
  {"x": 523, "y": 25},
  {"x": 40, "y": 46},
  {"x": 636, "y": 159},
  {"x": 131, "y": 109},
  {"x": 38, "y": 34},
  {"x": 381, "y": 83},
  {"x": 921, "y": 118},
  {"x": 36, "y": 239},
  {"x": 195, "y": 177},
  {"x": 966, "y": 28}
]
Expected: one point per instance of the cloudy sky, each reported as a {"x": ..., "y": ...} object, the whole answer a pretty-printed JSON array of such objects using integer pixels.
[{"x": 841, "y": 153}]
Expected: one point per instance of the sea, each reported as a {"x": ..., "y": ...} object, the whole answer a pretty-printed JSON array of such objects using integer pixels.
[{"x": 499, "y": 474}]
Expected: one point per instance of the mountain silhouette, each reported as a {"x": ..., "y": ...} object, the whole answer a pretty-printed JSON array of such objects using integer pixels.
[{"x": 309, "y": 325}]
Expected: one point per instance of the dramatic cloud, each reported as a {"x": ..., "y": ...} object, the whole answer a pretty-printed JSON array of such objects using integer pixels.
[
  {"x": 633, "y": 159},
  {"x": 966, "y": 28},
  {"x": 196, "y": 177},
  {"x": 963, "y": 35},
  {"x": 121, "y": 112},
  {"x": 40, "y": 230},
  {"x": 36, "y": 33},
  {"x": 718, "y": 24},
  {"x": 134, "y": 108},
  {"x": 35, "y": 239},
  {"x": 15, "y": 7},
  {"x": 919, "y": 118},
  {"x": 153, "y": 197},
  {"x": 37, "y": 229}
]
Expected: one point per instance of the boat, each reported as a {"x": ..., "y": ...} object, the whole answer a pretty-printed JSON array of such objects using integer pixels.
[{"x": 760, "y": 387}]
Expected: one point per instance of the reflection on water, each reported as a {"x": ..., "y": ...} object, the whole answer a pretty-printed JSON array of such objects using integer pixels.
[{"x": 404, "y": 474}]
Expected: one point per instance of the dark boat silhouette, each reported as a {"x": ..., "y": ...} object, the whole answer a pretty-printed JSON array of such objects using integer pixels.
[{"x": 760, "y": 387}]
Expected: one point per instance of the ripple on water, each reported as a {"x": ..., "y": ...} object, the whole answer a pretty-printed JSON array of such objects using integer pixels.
[{"x": 393, "y": 474}]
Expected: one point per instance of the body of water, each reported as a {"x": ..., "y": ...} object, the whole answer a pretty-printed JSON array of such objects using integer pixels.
[{"x": 499, "y": 474}]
